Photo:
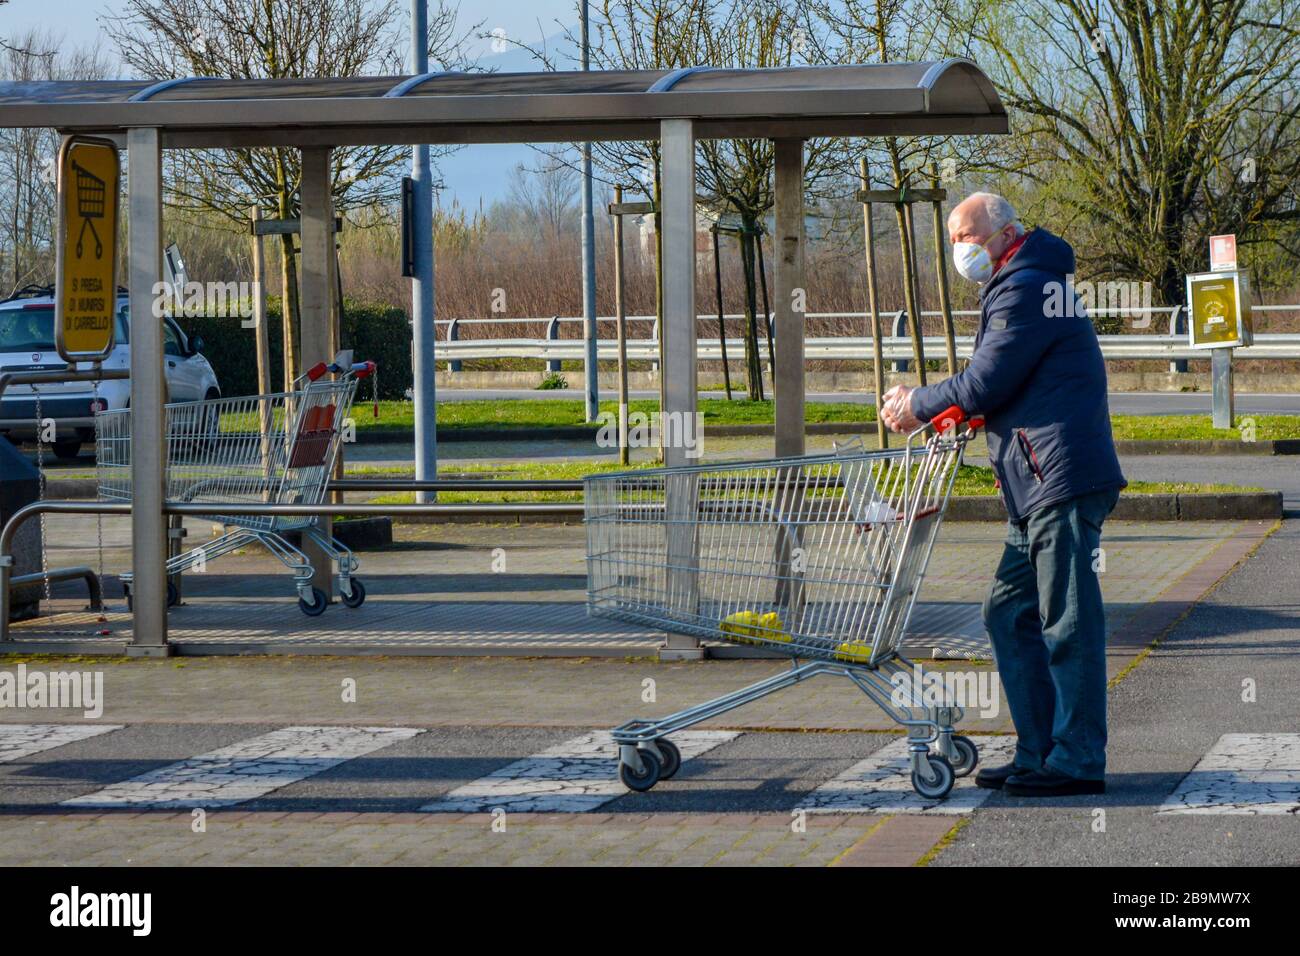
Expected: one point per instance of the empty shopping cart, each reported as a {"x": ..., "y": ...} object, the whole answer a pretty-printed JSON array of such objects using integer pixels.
[
  {"x": 817, "y": 558},
  {"x": 259, "y": 449}
]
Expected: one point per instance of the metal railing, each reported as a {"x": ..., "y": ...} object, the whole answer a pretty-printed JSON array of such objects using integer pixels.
[
  {"x": 1171, "y": 345},
  {"x": 494, "y": 511}
]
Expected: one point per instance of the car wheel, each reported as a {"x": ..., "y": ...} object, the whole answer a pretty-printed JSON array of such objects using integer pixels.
[{"x": 68, "y": 449}]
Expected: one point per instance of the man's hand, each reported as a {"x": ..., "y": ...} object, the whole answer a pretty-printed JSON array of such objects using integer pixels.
[{"x": 896, "y": 410}]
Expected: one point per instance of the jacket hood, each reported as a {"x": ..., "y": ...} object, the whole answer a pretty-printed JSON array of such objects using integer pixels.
[{"x": 1042, "y": 251}]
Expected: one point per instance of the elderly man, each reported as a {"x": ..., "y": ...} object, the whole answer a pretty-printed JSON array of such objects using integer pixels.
[{"x": 1039, "y": 380}]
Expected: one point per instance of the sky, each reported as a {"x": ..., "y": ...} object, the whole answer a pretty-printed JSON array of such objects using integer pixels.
[{"x": 470, "y": 175}]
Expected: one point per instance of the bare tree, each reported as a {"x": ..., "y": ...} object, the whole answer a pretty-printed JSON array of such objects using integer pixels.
[
  {"x": 542, "y": 202},
  {"x": 1153, "y": 126},
  {"x": 272, "y": 39},
  {"x": 31, "y": 45},
  {"x": 27, "y": 167},
  {"x": 733, "y": 176}
]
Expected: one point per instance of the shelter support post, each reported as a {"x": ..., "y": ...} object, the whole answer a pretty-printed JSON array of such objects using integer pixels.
[
  {"x": 148, "y": 396},
  {"x": 789, "y": 298},
  {"x": 677, "y": 425},
  {"x": 789, "y": 301},
  {"x": 316, "y": 302},
  {"x": 620, "y": 317}
]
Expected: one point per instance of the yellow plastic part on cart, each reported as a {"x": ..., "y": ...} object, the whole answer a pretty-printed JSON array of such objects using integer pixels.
[
  {"x": 746, "y": 626},
  {"x": 858, "y": 652}
]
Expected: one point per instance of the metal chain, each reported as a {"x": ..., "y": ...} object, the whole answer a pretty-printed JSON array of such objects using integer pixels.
[
  {"x": 99, "y": 518},
  {"x": 40, "y": 471}
]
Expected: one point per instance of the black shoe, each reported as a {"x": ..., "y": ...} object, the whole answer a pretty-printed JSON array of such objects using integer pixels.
[
  {"x": 992, "y": 778},
  {"x": 1050, "y": 783}
]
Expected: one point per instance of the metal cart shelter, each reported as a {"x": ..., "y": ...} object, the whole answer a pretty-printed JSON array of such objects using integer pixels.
[{"x": 676, "y": 107}]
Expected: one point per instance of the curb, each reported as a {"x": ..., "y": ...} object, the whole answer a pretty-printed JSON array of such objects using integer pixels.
[
  {"x": 1246, "y": 505},
  {"x": 1212, "y": 446},
  {"x": 382, "y": 436},
  {"x": 1172, "y": 446},
  {"x": 1229, "y": 506},
  {"x": 355, "y": 533},
  {"x": 1233, "y": 506}
]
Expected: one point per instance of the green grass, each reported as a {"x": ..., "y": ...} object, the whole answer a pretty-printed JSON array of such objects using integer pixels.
[
  {"x": 535, "y": 413},
  {"x": 1197, "y": 427},
  {"x": 531, "y": 413},
  {"x": 972, "y": 481}
]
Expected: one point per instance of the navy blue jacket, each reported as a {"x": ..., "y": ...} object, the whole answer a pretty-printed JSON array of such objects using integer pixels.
[{"x": 1038, "y": 378}]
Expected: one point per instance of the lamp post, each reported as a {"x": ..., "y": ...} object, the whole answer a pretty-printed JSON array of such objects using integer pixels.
[
  {"x": 422, "y": 319},
  {"x": 588, "y": 258}
]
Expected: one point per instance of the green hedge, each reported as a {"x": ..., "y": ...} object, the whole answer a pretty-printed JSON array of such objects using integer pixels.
[{"x": 379, "y": 333}]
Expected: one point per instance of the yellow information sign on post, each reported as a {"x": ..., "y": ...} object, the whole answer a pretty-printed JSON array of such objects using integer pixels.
[
  {"x": 86, "y": 297},
  {"x": 1218, "y": 310}
]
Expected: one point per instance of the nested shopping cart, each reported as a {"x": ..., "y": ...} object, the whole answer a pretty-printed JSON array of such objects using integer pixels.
[
  {"x": 818, "y": 558},
  {"x": 259, "y": 449}
]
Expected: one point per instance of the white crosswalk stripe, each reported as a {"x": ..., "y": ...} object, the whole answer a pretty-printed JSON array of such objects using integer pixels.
[
  {"x": 245, "y": 770},
  {"x": 1245, "y": 774},
  {"x": 22, "y": 740},
  {"x": 575, "y": 776},
  {"x": 882, "y": 783}
]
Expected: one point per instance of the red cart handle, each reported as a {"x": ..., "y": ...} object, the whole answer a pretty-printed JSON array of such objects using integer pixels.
[
  {"x": 360, "y": 369},
  {"x": 952, "y": 416}
]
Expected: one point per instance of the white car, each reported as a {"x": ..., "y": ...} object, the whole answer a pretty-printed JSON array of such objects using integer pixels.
[{"x": 27, "y": 343}]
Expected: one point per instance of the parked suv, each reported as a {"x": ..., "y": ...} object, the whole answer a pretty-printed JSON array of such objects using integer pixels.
[{"x": 27, "y": 343}]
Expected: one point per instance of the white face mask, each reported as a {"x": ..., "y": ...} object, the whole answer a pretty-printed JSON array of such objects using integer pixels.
[{"x": 972, "y": 261}]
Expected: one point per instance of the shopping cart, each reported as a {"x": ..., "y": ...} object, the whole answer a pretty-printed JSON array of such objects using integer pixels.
[
  {"x": 818, "y": 558},
  {"x": 91, "y": 202},
  {"x": 271, "y": 449}
]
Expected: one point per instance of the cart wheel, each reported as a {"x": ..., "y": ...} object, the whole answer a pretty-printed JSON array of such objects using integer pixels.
[
  {"x": 358, "y": 596},
  {"x": 672, "y": 761},
  {"x": 649, "y": 776},
  {"x": 317, "y": 605},
  {"x": 967, "y": 755},
  {"x": 937, "y": 788}
]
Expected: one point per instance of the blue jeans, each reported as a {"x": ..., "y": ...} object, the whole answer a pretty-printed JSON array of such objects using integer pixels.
[{"x": 1045, "y": 617}]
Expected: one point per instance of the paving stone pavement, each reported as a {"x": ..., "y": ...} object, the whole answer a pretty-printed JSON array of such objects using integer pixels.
[
  {"x": 487, "y": 588},
  {"x": 808, "y": 776},
  {"x": 435, "y": 840}
]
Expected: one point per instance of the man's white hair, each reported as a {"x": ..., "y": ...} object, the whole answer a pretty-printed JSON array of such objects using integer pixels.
[{"x": 1000, "y": 212}]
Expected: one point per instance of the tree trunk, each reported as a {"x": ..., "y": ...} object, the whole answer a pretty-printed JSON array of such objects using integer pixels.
[
  {"x": 289, "y": 316},
  {"x": 753, "y": 362}
]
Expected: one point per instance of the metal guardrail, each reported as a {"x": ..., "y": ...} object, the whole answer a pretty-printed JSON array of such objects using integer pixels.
[
  {"x": 1171, "y": 346},
  {"x": 895, "y": 349}
]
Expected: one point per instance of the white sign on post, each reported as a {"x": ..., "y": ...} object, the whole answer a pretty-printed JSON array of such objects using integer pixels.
[{"x": 1223, "y": 253}]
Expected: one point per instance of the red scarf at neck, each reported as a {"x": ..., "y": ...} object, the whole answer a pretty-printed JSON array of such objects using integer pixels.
[{"x": 1011, "y": 251}]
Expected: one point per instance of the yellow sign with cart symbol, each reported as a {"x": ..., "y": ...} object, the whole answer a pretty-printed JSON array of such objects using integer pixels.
[{"x": 86, "y": 297}]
